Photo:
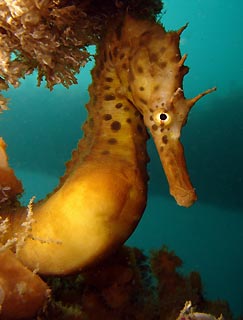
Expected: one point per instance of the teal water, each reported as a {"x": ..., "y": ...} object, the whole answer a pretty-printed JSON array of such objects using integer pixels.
[{"x": 42, "y": 128}]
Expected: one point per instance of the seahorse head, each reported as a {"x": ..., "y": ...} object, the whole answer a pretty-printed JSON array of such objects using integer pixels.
[{"x": 156, "y": 72}]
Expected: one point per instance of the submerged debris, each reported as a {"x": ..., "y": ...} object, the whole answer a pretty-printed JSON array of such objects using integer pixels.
[{"x": 188, "y": 313}]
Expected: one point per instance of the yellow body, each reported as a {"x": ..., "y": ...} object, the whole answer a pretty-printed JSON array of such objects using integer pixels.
[{"x": 137, "y": 81}]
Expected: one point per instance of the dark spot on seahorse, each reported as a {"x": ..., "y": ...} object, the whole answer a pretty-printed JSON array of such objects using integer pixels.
[
  {"x": 115, "y": 52},
  {"x": 151, "y": 110},
  {"x": 109, "y": 97},
  {"x": 143, "y": 100},
  {"x": 162, "y": 49},
  {"x": 137, "y": 113},
  {"x": 108, "y": 79},
  {"x": 122, "y": 55},
  {"x": 105, "y": 152},
  {"x": 171, "y": 163},
  {"x": 175, "y": 59},
  {"x": 161, "y": 149},
  {"x": 124, "y": 66},
  {"x": 112, "y": 141},
  {"x": 162, "y": 64},
  {"x": 140, "y": 69},
  {"x": 107, "y": 116},
  {"x": 97, "y": 72},
  {"x": 141, "y": 88},
  {"x": 102, "y": 65},
  {"x": 153, "y": 57},
  {"x": 144, "y": 38},
  {"x": 165, "y": 139},
  {"x": 115, "y": 126},
  {"x": 107, "y": 87},
  {"x": 129, "y": 120},
  {"x": 91, "y": 122},
  {"x": 110, "y": 55},
  {"x": 151, "y": 118},
  {"x": 140, "y": 128},
  {"x": 143, "y": 42},
  {"x": 161, "y": 129},
  {"x": 154, "y": 127},
  {"x": 126, "y": 109},
  {"x": 131, "y": 76},
  {"x": 156, "y": 88},
  {"x": 118, "y": 105},
  {"x": 129, "y": 88}
]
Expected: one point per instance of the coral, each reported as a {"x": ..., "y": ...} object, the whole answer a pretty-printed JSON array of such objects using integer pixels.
[
  {"x": 22, "y": 292},
  {"x": 52, "y": 36},
  {"x": 10, "y": 186},
  {"x": 131, "y": 285}
]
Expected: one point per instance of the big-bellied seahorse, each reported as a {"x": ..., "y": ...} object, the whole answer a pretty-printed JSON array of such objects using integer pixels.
[{"x": 137, "y": 82}]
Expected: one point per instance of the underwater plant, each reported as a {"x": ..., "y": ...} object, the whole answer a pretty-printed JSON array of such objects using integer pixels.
[{"x": 137, "y": 85}]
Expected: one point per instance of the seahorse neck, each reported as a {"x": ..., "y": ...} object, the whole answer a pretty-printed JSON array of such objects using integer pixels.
[{"x": 114, "y": 130}]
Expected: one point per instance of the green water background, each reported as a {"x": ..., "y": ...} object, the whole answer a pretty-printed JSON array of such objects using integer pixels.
[{"x": 42, "y": 128}]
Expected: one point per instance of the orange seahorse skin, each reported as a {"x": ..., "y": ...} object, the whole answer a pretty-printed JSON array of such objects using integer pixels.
[{"x": 137, "y": 79}]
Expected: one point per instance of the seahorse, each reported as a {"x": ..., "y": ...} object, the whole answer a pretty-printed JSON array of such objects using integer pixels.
[{"x": 137, "y": 84}]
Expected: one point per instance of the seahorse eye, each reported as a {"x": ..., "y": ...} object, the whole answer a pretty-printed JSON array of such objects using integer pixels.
[{"x": 161, "y": 118}]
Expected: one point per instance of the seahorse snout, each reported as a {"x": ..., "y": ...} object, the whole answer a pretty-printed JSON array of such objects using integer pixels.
[{"x": 173, "y": 161}]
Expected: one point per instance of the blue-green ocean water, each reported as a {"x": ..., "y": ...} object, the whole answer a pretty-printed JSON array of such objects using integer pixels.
[{"x": 42, "y": 128}]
